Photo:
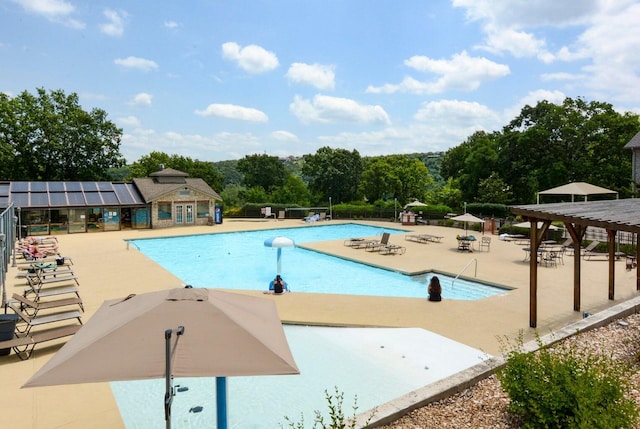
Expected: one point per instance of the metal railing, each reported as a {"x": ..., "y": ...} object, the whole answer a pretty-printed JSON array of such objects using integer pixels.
[
  {"x": 7, "y": 247},
  {"x": 475, "y": 273}
]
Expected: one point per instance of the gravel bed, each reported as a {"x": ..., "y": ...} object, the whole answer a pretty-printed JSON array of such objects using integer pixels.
[{"x": 485, "y": 405}]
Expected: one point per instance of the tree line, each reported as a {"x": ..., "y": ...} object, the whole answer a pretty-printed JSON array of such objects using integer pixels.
[{"x": 48, "y": 136}]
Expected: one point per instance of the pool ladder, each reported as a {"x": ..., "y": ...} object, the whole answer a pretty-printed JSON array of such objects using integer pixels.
[{"x": 475, "y": 273}]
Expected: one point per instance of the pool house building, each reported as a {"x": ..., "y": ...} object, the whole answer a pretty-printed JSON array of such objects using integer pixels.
[{"x": 164, "y": 199}]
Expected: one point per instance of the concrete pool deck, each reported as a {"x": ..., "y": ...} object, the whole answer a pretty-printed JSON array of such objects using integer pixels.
[{"x": 107, "y": 268}]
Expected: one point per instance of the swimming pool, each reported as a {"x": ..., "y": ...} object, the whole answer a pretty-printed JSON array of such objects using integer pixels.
[
  {"x": 375, "y": 364},
  {"x": 239, "y": 260}
]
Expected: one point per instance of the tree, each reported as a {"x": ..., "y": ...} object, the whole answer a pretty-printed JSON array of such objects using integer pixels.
[
  {"x": 333, "y": 173},
  {"x": 204, "y": 170},
  {"x": 48, "y": 136},
  {"x": 395, "y": 176},
  {"x": 294, "y": 191},
  {"x": 494, "y": 190},
  {"x": 265, "y": 171}
]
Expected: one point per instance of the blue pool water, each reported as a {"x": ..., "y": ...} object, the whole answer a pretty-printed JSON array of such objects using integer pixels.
[
  {"x": 239, "y": 260},
  {"x": 376, "y": 365}
]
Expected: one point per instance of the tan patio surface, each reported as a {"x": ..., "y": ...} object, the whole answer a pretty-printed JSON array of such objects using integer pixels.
[{"x": 108, "y": 268}]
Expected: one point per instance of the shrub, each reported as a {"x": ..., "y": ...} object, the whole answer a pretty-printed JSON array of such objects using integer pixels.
[
  {"x": 567, "y": 388},
  {"x": 337, "y": 418}
]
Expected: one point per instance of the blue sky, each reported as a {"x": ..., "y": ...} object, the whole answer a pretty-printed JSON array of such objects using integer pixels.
[{"x": 217, "y": 80}]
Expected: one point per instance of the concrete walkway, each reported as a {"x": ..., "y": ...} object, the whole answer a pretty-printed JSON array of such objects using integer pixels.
[{"x": 108, "y": 268}]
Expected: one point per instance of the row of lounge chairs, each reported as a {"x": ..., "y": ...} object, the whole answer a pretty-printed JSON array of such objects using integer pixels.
[
  {"x": 423, "y": 238},
  {"x": 50, "y": 306},
  {"x": 382, "y": 246}
]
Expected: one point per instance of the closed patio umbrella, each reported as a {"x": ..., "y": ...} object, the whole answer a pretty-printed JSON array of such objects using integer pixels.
[{"x": 217, "y": 334}]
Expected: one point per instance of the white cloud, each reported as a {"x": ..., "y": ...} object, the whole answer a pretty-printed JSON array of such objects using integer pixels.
[
  {"x": 562, "y": 76},
  {"x": 462, "y": 73},
  {"x": 57, "y": 11},
  {"x": 171, "y": 24},
  {"x": 464, "y": 114},
  {"x": 252, "y": 58},
  {"x": 282, "y": 135},
  {"x": 334, "y": 109},
  {"x": 232, "y": 111},
  {"x": 318, "y": 75},
  {"x": 115, "y": 22},
  {"x": 136, "y": 63},
  {"x": 129, "y": 121},
  {"x": 141, "y": 99}
]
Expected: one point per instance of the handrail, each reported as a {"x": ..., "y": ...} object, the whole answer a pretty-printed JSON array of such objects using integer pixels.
[{"x": 475, "y": 273}]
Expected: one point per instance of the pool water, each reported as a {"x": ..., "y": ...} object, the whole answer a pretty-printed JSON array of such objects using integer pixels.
[
  {"x": 239, "y": 260},
  {"x": 369, "y": 365}
]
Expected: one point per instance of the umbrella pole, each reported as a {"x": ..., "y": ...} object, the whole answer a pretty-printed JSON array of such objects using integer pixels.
[
  {"x": 169, "y": 394},
  {"x": 221, "y": 401},
  {"x": 279, "y": 261}
]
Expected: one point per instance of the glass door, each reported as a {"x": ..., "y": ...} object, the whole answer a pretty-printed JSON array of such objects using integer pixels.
[
  {"x": 189, "y": 208},
  {"x": 179, "y": 214}
]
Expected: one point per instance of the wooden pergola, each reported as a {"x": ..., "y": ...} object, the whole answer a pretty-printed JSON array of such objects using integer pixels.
[{"x": 611, "y": 215}]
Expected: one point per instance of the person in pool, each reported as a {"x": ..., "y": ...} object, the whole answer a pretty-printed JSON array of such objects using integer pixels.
[
  {"x": 435, "y": 290},
  {"x": 278, "y": 286}
]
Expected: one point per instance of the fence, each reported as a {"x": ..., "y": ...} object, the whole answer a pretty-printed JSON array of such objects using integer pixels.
[{"x": 7, "y": 245}]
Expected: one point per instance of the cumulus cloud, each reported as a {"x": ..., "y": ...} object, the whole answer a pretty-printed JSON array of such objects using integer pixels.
[
  {"x": 58, "y": 11},
  {"x": 334, "y": 109},
  {"x": 318, "y": 75},
  {"x": 171, "y": 24},
  {"x": 464, "y": 113},
  {"x": 252, "y": 58},
  {"x": 136, "y": 63},
  {"x": 141, "y": 99},
  {"x": 115, "y": 22},
  {"x": 282, "y": 135},
  {"x": 462, "y": 72},
  {"x": 232, "y": 111},
  {"x": 128, "y": 121}
]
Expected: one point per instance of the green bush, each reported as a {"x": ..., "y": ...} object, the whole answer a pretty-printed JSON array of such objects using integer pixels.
[{"x": 566, "y": 388}]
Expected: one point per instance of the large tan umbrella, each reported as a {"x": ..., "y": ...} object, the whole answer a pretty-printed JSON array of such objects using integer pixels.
[
  {"x": 416, "y": 203},
  {"x": 467, "y": 217},
  {"x": 206, "y": 333}
]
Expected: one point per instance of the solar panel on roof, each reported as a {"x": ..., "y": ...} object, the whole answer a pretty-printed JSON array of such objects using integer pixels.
[
  {"x": 110, "y": 198},
  {"x": 56, "y": 186},
  {"x": 4, "y": 189},
  {"x": 58, "y": 199},
  {"x": 76, "y": 198},
  {"x": 105, "y": 186},
  {"x": 123, "y": 194},
  {"x": 20, "y": 199},
  {"x": 19, "y": 186},
  {"x": 73, "y": 186},
  {"x": 38, "y": 186},
  {"x": 89, "y": 186},
  {"x": 93, "y": 198},
  {"x": 4, "y": 201},
  {"x": 39, "y": 199}
]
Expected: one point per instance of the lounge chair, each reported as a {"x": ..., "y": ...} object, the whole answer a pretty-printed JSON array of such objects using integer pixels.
[
  {"x": 392, "y": 249},
  {"x": 31, "y": 308},
  {"x": 417, "y": 238},
  {"x": 24, "y": 344},
  {"x": 589, "y": 252},
  {"x": 374, "y": 246},
  {"x": 26, "y": 322},
  {"x": 281, "y": 215}
]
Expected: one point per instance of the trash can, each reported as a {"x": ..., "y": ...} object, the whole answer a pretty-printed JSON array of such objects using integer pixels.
[
  {"x": 7, "y": 330},
  {"x": 218, "y": 215}
]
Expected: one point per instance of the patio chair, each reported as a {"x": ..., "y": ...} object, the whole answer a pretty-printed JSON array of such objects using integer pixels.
[
  {"x": 374, "y": 246},
  {"x": 24, "y": 344},
  {"x": 281, "y": 215},
  {"x": 485, "y": 242},
  {"x": 392, "y": 249}
]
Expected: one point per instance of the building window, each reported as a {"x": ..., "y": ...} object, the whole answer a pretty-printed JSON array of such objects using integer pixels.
[
  {"x": 203, "y": 209},
  {"x": 164, "y": 211}
]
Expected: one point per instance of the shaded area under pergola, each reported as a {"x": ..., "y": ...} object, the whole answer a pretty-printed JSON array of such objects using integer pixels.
[{"x": 611, "y": 215}]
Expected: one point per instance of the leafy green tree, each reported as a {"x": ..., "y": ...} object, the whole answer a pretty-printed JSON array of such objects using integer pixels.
[
  {"x": 549, "y": 145},
  {"x": 294, "y": 191},
  {"x": 257, "y": 194},
  {"x": 48, "y": 136},
  {"x": 229, "y": 171},
  {"x": 395, "y": 176},
  {"x": 232, "y": 195},
  {"x": 494, "y": 190},
  {"x": 265, "y": 171},
  {"x": 204, "y": 170},
  {"x": 333, "y": 173},
  {"x": 449, "y": 195}
]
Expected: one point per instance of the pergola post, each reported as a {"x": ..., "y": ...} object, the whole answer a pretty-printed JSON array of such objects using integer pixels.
[
  {"x": 577, "y": 233},
  {"x": 612, "y": 262}
]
